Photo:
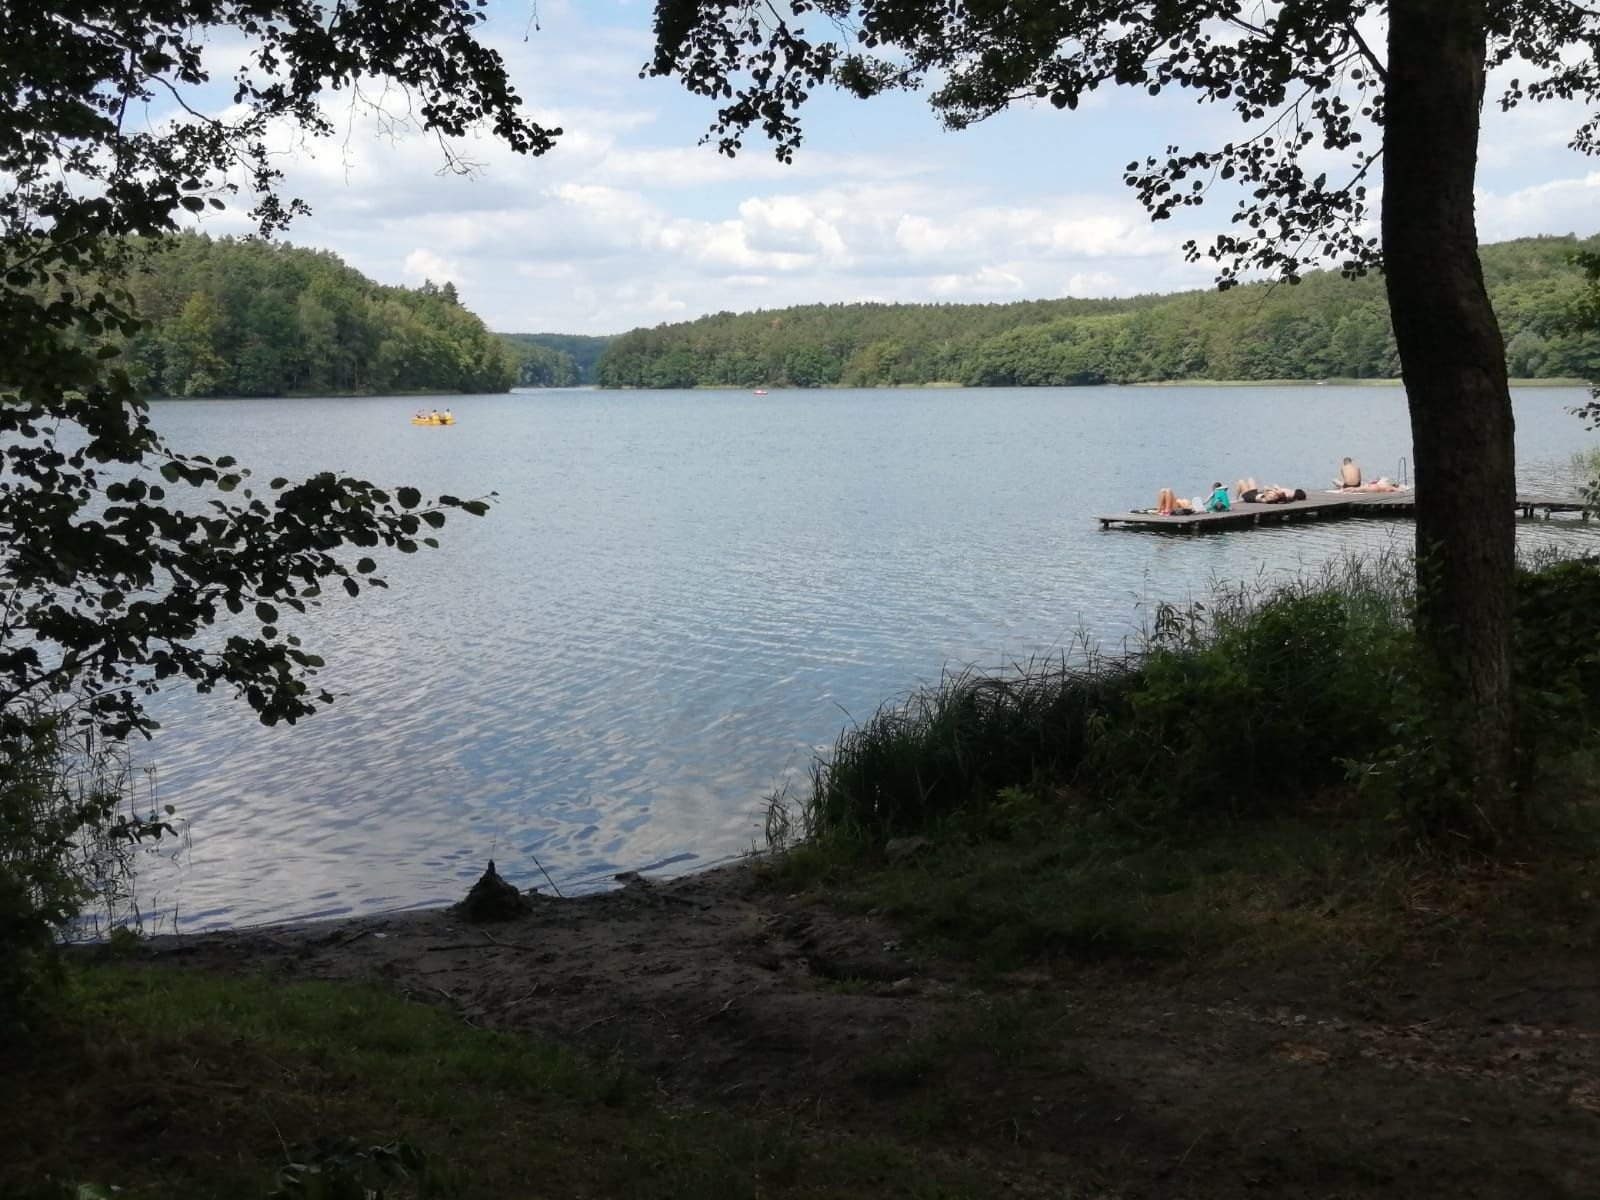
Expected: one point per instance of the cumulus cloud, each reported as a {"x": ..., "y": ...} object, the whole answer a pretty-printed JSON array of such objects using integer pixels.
[
  {"x": 423, "y": 264},
  {"x": 1554, "y": 206}
]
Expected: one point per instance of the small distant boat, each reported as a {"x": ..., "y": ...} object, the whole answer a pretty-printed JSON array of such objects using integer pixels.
[
  {"x": 437, "y": 419},
  {"x": 761, "y": 391}
]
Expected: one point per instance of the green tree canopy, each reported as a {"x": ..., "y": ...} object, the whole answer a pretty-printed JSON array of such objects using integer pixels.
[
  {"x": 1328, "y": 327},
  {"x": 282, "y": 320}
]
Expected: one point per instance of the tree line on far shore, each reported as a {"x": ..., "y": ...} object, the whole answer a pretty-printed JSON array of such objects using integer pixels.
[
  {"x": 246, "y": 317},
  {"x": 555, "y": 359},
  {"x": 1325, "y": 327}
]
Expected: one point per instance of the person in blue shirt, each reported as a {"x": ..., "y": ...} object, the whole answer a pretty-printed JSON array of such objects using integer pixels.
[{"x": 1219, "y": 499}]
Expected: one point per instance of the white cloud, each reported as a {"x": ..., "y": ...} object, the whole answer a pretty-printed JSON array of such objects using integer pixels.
[
  {"x": 984, "y": 283},
  {"x": 629, "y": 221},
  {"x": 1556, "y": 206},
  {"x": 425, "y": 264},
  {"x": 1091, "y": 284}
]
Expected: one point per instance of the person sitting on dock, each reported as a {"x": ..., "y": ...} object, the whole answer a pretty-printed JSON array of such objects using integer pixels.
[
  {"x": 1168, "y": 504},
  {"x": 1247, "y": 491},
  {"x": 1219, "y": 499},
  {"x": 1349, "y": 477}
]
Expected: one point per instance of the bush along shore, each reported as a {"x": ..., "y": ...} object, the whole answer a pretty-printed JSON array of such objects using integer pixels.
[{"x": 1190, "y": 919}]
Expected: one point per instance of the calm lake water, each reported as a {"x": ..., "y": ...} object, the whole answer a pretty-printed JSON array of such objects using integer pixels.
[{"x": 682, "y": 597}]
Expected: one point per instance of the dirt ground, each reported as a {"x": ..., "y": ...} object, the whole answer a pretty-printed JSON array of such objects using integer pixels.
[{"x": 1455, "y": 1075}]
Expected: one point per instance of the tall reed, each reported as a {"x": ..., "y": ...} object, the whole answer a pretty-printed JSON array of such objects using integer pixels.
[{"x": 1244, "y": 703}]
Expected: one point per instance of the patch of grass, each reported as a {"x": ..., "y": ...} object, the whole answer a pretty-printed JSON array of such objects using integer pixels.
[
  {"x": 1075, "y": 890},
  {"x": 979, "y": 1073},
  {"x": 170, "y": 1083},
  {"x": 1066, "y": 886}
]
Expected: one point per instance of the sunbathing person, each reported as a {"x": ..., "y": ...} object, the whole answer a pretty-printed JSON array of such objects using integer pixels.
[
  {"x": 1379, "y": 484},
  {"x": 1349, "y": 477},
  {"x": 1276, "y": 493},
  {"x": 1169, "y": 505},
  {"x": 1247, "y": 491}
]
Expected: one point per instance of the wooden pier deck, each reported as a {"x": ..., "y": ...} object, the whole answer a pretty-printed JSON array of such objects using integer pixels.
[{"x": 1317, "y": 506}]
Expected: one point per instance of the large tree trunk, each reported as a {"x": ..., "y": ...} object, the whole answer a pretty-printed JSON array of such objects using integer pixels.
[{"x": 1453, "y": 361}]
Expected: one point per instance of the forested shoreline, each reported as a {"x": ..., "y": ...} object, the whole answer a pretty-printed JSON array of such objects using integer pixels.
[
  {"x": 1325, "y": 327},
  {"x": 555, "y": 359},
  {"x": 246, "y": 317}
]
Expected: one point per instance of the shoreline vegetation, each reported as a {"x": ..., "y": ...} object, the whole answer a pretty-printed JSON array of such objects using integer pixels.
[
  {"x": 1188, "y": 918},
  {"x": 946, "y": 384},
  {"x": 233, "y": 319},
  {"x": 1323, "y": 328}
]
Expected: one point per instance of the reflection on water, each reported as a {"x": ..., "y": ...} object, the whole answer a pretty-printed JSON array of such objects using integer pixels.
[{"x": 680, "y": 598}]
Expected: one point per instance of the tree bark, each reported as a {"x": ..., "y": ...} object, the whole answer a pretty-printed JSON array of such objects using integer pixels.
[{"x": 1452, "y": 359}]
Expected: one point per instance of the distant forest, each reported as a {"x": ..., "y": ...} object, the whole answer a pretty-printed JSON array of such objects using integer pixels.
[
  {"x": 555, "y": 359},
  {"x": 228, "y": 317},
  {"x": 1325, "y": 327}
]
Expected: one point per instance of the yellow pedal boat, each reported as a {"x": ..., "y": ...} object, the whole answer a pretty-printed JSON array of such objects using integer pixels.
[{"x": 443, "y": 419}]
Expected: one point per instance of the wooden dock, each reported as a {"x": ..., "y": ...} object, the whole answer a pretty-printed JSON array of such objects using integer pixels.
[{"x": 1317, "y": 506}]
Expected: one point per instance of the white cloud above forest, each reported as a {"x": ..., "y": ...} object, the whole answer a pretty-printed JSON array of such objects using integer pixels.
[{"x": 628, "y": 221}]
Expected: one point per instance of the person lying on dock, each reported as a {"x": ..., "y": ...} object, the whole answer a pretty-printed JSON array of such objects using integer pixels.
[
  {"x": 1169, "y": 505},
  {"x": 1276, "y": 493},
  {"x": 1349, "y": 477},
  {"x": 1379, "y": 484},
  {"x": 1246, "y": 491}
]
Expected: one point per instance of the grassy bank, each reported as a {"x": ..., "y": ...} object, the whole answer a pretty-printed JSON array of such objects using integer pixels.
[
  {"x": 1256, "y": 776},
  {"x": 175, "y": 1084},
  {"x": 1012, "y": 913}
]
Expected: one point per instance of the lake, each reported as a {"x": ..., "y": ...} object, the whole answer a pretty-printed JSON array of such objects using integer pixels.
[{"x": 681, "y": 597}]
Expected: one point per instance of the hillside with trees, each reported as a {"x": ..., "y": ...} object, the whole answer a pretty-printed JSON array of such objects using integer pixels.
[
  {"x": 230, "y": 317},
  {"x": 1325, "y": 327},
  {"x": 555, "y": 359}
]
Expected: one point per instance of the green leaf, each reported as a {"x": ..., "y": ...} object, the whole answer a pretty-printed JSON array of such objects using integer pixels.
[
  {"x": 266, "y": 613},
  {"x": 366, "y": 566},
  {"x": 409, "y": 497}
]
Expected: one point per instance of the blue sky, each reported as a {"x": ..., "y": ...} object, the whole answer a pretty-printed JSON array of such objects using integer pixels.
[{"x": 630, "y": 222}]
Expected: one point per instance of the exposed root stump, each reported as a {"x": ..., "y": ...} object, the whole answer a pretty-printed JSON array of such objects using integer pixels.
[{"x": 493, "y": 899}]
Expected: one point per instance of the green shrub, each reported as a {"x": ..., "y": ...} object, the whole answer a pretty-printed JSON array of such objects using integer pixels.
[
  {"x": 1272, "y": 698},
  {"x": 1232, "y": 708},
  {"x": 1556, "y": 635},
  {"x": 958, "y": 745}
]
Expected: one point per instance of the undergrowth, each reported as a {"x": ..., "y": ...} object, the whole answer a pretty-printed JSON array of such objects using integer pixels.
[{"x": 1250, "y": 705}]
